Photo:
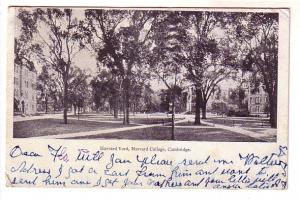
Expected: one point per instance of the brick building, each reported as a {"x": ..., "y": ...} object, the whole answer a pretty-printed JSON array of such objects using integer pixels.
[
  {"x": 257, "y": 101},
  {"x": 24, "y": 90}
]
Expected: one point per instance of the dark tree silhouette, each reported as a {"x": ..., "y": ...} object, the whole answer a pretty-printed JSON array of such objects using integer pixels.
[
  {"x": 58, "y": 40},
  {"x": 119, "y": 46},
  {"x": 167, "y": 57},
  {"x": 256, "y": 36},
  {"x": 209, "y": 60}
]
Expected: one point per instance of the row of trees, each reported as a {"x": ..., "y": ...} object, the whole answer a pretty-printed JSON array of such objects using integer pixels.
[
  {"x": 107, "y": 89},
  {"x": 133, "y": 46}
]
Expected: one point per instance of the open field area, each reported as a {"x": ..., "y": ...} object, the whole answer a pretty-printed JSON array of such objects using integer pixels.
[
  {"x": 145, "y": 127},
  {"x": 251, "y": 122},
  {"x": 132, "y": 74},
  {"x": 181, "y": 134},
  {"x": 42, "y": 127},
  {"x": 134, "y": 119}
]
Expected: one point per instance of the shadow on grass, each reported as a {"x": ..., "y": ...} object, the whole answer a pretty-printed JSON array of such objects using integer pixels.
[
  {"x": 251, "y": 123},
  {"x": 134, "y": 120},
  {"x": 190, "y": 123},
  {"x": 43, "y": 127},
  {"x": 181, "y": 134}
]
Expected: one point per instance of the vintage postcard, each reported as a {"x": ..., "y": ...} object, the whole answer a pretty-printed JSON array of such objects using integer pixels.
[{"x": 113, "y": 97}]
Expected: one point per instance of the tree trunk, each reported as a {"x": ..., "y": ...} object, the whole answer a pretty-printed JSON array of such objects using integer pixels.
[
  {"x": 116, "y": 113},
  {"x": 114, "y": 106},
  {"x": 78, "y": 112},
  {"x": 198, "y": 107},
  {"x": 203, "y": 109},
  {"x": 134, "y": 109},
  {"x": 74, "y": 109},
  {"x": 273, "y": 110},
  {"x": 173, "y": 119},
  {"x": 46, "y": 104},
  {"x": 127, "y": 92},
  {"x": 110, "y": 110},
  {"x": 124, "y": 109},
  {"x": 65, "y": 99},
  {"x": 127, "y": 109},
  {"x": 126, "y": 103}
]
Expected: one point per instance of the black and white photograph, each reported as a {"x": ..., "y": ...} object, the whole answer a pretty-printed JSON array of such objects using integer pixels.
[{"x": 145, "y": 74}]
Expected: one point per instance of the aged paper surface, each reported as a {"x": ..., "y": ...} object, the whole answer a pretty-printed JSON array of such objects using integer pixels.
[{"x": 235, "y": 147}]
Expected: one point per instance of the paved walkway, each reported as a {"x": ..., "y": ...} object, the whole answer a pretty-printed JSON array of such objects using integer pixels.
[
  {"x": 240, "y": 119},
  {"x": 248, "y": 132},
  {"x": 239, "y": 130},
  {"x": 261, "y": 136},
  {"x": 195, "y": 127},
  {"x": 97, "y": 120}
]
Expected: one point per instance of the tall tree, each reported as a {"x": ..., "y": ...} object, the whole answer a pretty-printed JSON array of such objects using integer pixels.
[
  {"x": 24, "y": 51},
  {"x": 78, "y": 86},
  {"x": 149, "y": 100},
  {"x": 166, "y": 58},
  {"x": 55, "y": 30},
  {"x": 118, "y": 37},
  {"x": 139, "y": 84},
  {"x": 50, "y": 88},
  {"x": 237, "y": 96},
  {"x": 106, "y": 88},
  {"x": 167, "y": 96},
  {"x": 209, "y": 60},
  {"x": 256, "y": 35}
]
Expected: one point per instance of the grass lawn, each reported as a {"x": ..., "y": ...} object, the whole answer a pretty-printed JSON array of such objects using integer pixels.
[
  {"x": 44, "y": 127},
  {"x": 152, "y": 120},
  {"x": 247, "y": 122},
  {"x": 267, "y": 134},
  {"x": 133, "y": 119},
  {"x": 181, "y": 134},
  {"x": 96, "y": 116},
  {"x": 190, "y": 123}
]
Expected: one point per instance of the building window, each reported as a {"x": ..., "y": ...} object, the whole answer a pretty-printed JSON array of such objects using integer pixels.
[
  {"x": 257, "y": 100},
  {"x": 257, "y": 108},
  {"x": 16, "y": 81}
]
